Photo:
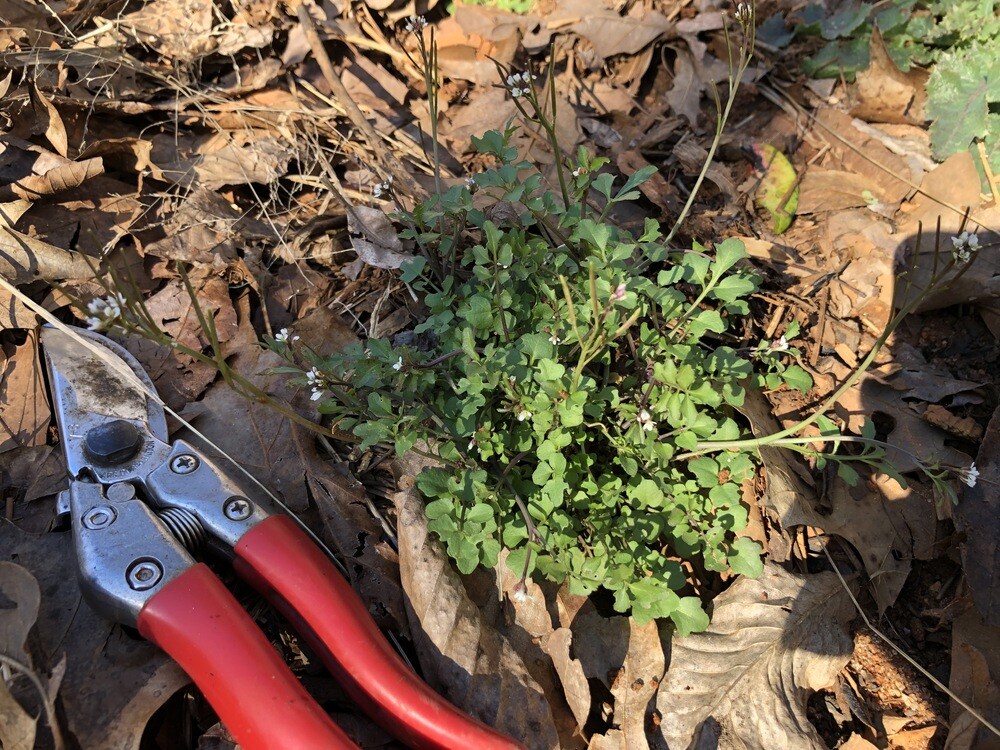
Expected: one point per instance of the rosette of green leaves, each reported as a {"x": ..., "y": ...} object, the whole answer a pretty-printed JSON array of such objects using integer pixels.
[{"x": 563, "y": 368}]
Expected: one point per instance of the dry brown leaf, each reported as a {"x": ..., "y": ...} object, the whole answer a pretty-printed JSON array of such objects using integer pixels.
[
  {"x": 576, "y": 689},
  {"x": 956, "y": 183},
  {"x": 885, "y": 93},
  {"x": 634, "y": 685},
  {"x": 887, "y": 525},
  {"x": 913, "y": 739},
  {"x": 834, "y": 190},
  {"x": 685, "y": 93},
  {"x": 374, "y": 238},
  {"x": 964, "y": 427},
  {"x": 14, "y": 313},
  {"x": 48, "y": 121},
  {"x": 213, "y": 161},
  {"x": 975, "y": 677},
  {"x": 34, "y": 473},
  {"x": 856, "y": 152},
  {"x": 978, "y": 515},
  {"x": 92, "y": 218},
  {"x": 181, "y": 29},
  {"x": 268, "y": 445},
  {"x": 396, "y": 10},
  {"x": 21, "y": 597},
  {"x": 28, "y": 171},
  {"x": 462, "y": 655},
  {"x": 128, "y": 154},
  {"x": 607, "y": 30},
  {"x": 911, "y": 439},
  {"x": 206, "y": 230},
  {"x": 744, "y": 681},
  {"x": 24, "y": 406}
]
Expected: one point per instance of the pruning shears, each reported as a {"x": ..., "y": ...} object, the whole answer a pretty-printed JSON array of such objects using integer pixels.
[{"x": 141, "y": 507}]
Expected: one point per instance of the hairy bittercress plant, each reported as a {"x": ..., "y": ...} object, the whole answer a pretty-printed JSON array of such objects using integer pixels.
[{"x": 558, "y": 382}]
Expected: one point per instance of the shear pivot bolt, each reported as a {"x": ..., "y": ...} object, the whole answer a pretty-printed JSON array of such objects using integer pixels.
[
  {"x": 112, "y": 442},
  {"x": 238, "y": 509},
  {"x": 183, "y": 464},
  {"x": 99, "y": 517},
  {"x": 144, "y": 574}
]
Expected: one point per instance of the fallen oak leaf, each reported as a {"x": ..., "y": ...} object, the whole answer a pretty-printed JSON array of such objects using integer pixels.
[{"x": 744, "y": 681}]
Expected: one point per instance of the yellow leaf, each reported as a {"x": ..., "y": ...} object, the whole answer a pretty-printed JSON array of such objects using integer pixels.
[{"x": 778, "y": 191}]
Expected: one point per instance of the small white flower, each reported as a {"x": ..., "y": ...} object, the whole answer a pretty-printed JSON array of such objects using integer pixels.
[
  {"x": 470, "y": 183},
  {"x": 577, "y": 172},
  {"x": 519, "y": 594},
  {"x": 523, "y": 415},
  {"x": 964, "y": 245},
  {"x": 519, "y": 84},
  {"x": 316, "y": 394},
  {"x": 314, "y": 378},
  {"x": 415, "y": 24},
  {"x": 645, "y": 420},
  {"x": 399, "y": 364},
  {"x": 382, "y": 187},
  {"x": 619, "y": 294},
  {"x": 744, "y": 13},
  {"x": 554, "y": 340},
  {"x": 472, "y": 444},
  {"x": 104, "y": 313},
  {"x": 282, "y": 337},
  {"x": 781, "y": 345},
  {"x": 970, "y": 475}
]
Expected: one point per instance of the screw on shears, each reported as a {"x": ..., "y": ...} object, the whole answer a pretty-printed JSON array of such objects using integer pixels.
[
  {"x": 238, "y": 509},
  {"x": 144, "y": 574},
  {"x": 185, "y": 463},
  {"x": 99, "y": 517}
]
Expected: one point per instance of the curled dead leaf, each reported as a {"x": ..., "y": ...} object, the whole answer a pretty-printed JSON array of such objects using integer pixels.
[
  {"x": 744, "y": 681},
  {"x": 29, "y": 171},
  {"x": 374, "y": 238}
]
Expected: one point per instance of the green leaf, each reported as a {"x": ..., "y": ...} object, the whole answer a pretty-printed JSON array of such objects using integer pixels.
[
  {"x": 774, "y": 32},
  {"x": 845, "y": 21},
  {"x": 550, "y": 370},
  {"x": 847, "y": 473},
  {"x": 706, "y": 320},
  {"x": 959, "y": 92},
  {"x": 689, "y": 617},
  {"x": 434, "y": 482},
  {"x": 745, "y": 557},
  {"x": 479, "y": 313},
  {"x": 727, "y": 254},
  {"x": 638, "y": 177},
  {"x": 647, "y": 493},
  {"x": 797, "y": 378}
]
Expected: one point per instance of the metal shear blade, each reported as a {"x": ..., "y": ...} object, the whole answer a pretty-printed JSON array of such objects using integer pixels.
[{"x": 101, "y": 400}]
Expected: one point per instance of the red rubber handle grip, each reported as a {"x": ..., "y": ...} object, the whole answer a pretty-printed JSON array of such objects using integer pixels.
[
  {"x": 284, "y": 564},
  {"x": 199, "y": 623}
]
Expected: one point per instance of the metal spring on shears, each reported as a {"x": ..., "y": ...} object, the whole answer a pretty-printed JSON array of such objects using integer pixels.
[{"x": 185, "y": 527}]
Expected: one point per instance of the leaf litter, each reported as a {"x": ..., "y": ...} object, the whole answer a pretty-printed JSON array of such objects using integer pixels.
[{"x": 92, "y": 172}]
